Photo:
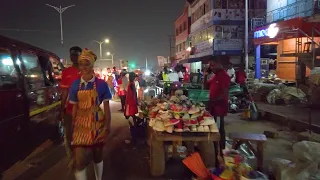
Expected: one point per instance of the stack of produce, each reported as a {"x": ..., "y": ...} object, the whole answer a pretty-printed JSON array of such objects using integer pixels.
[{"x": 179, "y": 114}]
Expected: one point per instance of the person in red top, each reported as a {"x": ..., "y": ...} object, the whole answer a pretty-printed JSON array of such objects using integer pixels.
[
  {"x": 241, "y": 76},
  {"x": 69, "y": 75},
  {"x": 131, "y": 103},
  {"x": 219, "y": 85}
]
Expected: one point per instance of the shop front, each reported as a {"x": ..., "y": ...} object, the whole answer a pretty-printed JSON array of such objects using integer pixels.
[{"x": 286, "y": 48}]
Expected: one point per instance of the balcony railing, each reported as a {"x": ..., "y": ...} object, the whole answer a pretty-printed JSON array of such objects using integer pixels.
[{"x": 301, "y": 8}]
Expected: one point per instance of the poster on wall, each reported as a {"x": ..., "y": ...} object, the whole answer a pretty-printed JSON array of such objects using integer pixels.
[
  {"x": 161, "y": 61},
  {"x": 228, "y": 44},
  {"x": 203, "y": 46},
  {"x": 235, "y": 4},
  {"x": 217, "y": 4},
  {"x": 228, "y": 14}
]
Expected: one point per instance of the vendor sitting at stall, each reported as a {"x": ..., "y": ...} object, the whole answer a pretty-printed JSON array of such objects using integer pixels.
[{"x": 219, "y": 85}]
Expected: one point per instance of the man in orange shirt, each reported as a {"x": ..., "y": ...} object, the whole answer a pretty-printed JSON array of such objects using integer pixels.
[{"x": 69, "y": 75}]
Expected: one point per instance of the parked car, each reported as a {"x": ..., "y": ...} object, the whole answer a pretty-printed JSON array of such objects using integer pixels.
[{"x": 29, "y": 93}]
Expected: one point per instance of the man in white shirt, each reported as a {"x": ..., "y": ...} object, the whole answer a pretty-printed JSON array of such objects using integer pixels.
[
  {"x": 231, "y": 72},
  {"x": 173, "y": 77}
]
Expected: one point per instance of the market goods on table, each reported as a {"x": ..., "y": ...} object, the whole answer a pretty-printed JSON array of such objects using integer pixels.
[{"x": 178, "y": 114}]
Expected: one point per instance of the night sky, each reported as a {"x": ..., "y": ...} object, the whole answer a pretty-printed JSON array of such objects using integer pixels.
[{"x": 136, "y": 28}]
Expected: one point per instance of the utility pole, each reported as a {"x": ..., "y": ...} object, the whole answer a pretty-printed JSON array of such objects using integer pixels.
[
  {"x": 246, "y": 35},
  {"x": 60, "y": 11},
  {"x": 171, "y": 38},
  {"x": 146, "y": 63}
]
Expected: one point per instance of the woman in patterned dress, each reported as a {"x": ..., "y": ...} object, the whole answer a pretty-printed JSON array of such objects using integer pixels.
[{"x": 91, "y": 124}]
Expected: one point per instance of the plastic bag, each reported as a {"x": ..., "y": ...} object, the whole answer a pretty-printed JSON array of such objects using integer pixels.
[
  {"x": 305, "y": 167},
  {"x": 273, "y": 96},
  {"x": 306, "y": 152}
]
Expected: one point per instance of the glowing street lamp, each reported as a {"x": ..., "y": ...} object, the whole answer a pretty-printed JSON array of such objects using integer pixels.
[
  {"x": 100, "y": 43},
  {"x": 109, "y": 54}
]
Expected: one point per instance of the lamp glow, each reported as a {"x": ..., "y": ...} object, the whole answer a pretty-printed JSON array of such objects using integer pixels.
[{"x": 147, "y": 73}]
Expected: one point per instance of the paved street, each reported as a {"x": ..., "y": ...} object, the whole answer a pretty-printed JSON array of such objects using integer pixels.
[{"x": 125, "y": 162}]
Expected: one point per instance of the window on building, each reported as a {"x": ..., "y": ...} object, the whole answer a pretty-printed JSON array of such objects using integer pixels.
[
  {"x": 201, "y": 10},
  {"x": 207, "y": 6},
  {"x": 8, "y": 73},
  {"x": 185, "y": 26},
  {"x": 193, "y": 41},
  {"x": 35, "y": 76},
  {"x": 210, "y": 32},
  {"x": 180, "y": 29},
  {"x": 177, "y": 31},
  {"x": 204, "y": 35},
  {"x": 198, "y": 38},
  {"x": 192, "y": 18},
  {"x": 184, "y": 46}
]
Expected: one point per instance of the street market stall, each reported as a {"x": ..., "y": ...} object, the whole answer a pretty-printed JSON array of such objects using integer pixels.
[{"x": 177, "y": 119}]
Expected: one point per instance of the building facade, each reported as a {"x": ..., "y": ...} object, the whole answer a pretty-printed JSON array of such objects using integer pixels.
[
  {"x": 182, "y": 29},
  {"x": 217, "y": 28},
  {"x": 293, "y": 27}
]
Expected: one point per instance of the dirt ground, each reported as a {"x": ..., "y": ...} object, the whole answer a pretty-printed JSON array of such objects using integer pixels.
[{"x": 123, "y": 161}]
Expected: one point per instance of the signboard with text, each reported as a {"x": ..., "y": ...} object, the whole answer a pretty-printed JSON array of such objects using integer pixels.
[
  {"x": 228, "y": 45},
  {"x": 162, "y": 61},
  {"x": 271, "y": 32}
]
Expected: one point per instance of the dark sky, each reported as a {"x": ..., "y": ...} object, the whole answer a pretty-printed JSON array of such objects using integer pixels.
[{"x": 136, "y": 28}]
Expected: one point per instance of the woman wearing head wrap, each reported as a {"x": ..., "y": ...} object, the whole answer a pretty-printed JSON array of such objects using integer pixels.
[{"x": 90, "y": 124}]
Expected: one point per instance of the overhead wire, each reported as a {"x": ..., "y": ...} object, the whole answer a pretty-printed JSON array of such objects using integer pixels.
[{"x": 27, "y": 30}]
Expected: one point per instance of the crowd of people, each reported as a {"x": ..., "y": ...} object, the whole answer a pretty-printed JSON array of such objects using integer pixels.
[
  {"x": 87, "y": 123},
  {"x": 217, "y": 78}
]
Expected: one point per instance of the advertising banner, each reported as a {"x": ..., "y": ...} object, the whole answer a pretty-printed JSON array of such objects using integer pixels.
[
  {"x": 228, "y": 32},
  {"x": 228, "y": 14},
  {"x": 162, "y": 61},
  {"x": 203, "y": 46},
  {"x": 228, "y": 44}
]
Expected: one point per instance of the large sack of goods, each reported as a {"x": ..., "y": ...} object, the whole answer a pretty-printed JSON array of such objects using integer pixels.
[
  {"x": 304, "y": 166},
  {"x": 293, "y": 95},
  {"x": 274, "y": 96},
  {"x": 314, "y": 76}
]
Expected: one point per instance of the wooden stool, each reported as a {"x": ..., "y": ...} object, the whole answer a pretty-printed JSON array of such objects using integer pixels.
[{"x": 248, "y": 139}]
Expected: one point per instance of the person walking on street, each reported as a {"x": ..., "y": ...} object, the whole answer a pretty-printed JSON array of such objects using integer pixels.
[
  {"x": 69, "y": 75},
  {"x": 142, "y": 85},
  {"x": 219, "y": 84},
  {"x": 131, "y": 105},
  {"x": 231, "y": 72},
  {"x": 122, "y": 89},
  {"x": 91, "y": 125},
  {"x": 110, "y": 81}
]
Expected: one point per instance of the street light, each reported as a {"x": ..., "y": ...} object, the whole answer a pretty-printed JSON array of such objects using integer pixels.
[
  {"x": 100, "y": 43},
  {"x": 60, "y": 11},
  {"x": 109, "y": 54}
]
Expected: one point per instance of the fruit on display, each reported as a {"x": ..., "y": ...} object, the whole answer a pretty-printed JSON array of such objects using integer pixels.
[{"x": 178, "y": 114}]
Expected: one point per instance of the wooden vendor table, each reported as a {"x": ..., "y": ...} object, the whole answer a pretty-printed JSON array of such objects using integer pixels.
[{"x": 157, "y": 147}]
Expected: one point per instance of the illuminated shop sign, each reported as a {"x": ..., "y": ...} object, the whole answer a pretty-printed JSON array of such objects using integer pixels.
[{"x": 271, "y": 32}]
